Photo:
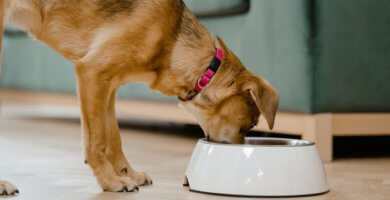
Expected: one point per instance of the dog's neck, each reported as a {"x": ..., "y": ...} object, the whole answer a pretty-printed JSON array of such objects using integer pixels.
[{"x": 192, "y": 52}]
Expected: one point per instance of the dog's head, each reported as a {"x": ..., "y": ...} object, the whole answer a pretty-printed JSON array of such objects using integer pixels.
[{"x": 233, "y": 101}]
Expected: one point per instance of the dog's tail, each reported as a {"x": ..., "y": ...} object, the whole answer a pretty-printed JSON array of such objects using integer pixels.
[{"x": 3, "y": 6}]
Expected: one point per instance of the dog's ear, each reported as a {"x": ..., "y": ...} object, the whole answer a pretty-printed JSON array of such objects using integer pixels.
[
  {"x": 219, "y": 43},
  {"x": 265, "y": 96}
]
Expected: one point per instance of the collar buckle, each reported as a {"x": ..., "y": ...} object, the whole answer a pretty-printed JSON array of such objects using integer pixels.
[{"x": 205, "y": 79}]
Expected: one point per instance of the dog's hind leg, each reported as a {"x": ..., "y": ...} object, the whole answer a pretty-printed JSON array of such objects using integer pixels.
[
  {"x": 114, "y": 149},
  {"x": 94, "y": 90}
]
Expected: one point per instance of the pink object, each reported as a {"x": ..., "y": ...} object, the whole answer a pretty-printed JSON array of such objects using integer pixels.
[
  {"x": 198, "y": 88},
  {"x": 219, "y": 54},
  {"x": 209, "y": 73},
  {"x": 205, "y": 79}
]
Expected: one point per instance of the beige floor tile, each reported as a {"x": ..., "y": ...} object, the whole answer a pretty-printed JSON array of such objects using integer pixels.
[{"x": 43, "y": 158}]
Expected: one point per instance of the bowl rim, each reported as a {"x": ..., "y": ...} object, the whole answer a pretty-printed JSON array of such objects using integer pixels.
[{"x": 303, "y": 143}]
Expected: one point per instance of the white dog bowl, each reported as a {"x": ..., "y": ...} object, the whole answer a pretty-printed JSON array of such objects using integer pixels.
[{"x": 260, "y": 167}]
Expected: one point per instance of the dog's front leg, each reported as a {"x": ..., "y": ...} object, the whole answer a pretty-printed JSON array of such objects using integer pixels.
[
  {"x": 7, "y": 188},
  {"x": 94, "y": 90},
  {"x": 114, "y": 149}
]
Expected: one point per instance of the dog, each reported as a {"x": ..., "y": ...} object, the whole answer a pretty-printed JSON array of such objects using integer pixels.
[{"x": 157, "y": 42}]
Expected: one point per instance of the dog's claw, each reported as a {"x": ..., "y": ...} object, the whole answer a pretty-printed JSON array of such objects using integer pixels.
[
  {"x": 14, "y": 193},
  {"x": 7, "y": 188},
  {"x": 142, "y": 179},
  {"x": 147, "y": 182},
  {"x": 124, "y": 189}
]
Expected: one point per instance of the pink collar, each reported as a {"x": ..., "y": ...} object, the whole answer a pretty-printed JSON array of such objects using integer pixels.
[{"x": 205, "y": 79}]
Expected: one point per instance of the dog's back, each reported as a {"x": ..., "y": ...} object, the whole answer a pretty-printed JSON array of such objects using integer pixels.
[{"x": 87, "y": 23}]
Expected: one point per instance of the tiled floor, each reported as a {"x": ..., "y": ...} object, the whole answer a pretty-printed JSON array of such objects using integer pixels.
[{"x": 43, "y": 158}]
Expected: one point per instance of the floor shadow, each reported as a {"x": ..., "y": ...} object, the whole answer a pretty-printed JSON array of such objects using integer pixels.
[
  {"x": 361, "y": 146},
  {"x": 343, "y": 147}
]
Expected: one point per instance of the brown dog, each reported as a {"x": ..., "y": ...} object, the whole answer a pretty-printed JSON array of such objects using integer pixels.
[{"x": 158, "y": 42}]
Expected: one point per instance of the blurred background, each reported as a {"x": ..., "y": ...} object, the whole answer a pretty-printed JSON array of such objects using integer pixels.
[{"x": 329, "y": 60}]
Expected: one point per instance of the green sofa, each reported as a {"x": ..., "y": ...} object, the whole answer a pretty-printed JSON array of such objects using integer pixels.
[
  {"x": 329, "y": 60},
  {"x": 322, "y": 56}
]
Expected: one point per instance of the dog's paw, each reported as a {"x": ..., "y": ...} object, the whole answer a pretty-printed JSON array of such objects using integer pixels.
[
  {"x": 7, "y": 188},
  {"x": 120, "y": 184},
  {"x": 141, "y": 178}
]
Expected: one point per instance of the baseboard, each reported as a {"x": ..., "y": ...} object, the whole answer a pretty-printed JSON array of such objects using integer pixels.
[{"x": 286, "y": 122}]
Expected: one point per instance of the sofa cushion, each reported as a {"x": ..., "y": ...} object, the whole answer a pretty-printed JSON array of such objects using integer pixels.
[
  {"x": 211, "y": 8},
  {"x": 272, "y": 41},
  {"x": 31, "y": 65},
  {"x": 352, "y": 70}
]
